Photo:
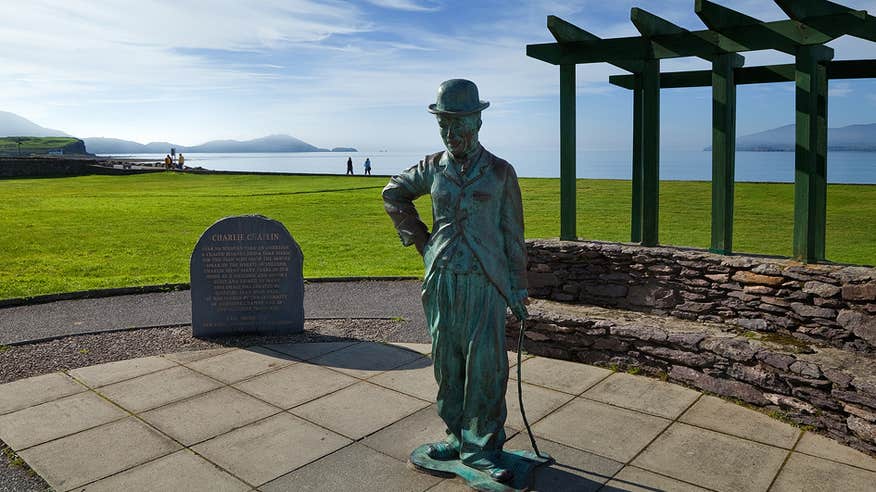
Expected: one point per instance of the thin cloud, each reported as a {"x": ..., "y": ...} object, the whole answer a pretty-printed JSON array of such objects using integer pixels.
[{"x": 408, "y": 5}]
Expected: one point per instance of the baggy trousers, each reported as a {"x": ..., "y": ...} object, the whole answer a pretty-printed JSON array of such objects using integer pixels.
[{"x": 466, "y": 318}]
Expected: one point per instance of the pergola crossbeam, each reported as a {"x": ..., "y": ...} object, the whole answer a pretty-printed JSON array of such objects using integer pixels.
[
  {"x": 566, "y": 32},
  {"x": 673, "y": 38},
  {"x": 836, "y": 70}
]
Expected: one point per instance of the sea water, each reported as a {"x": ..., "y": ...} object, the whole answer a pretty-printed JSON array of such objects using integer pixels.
[{"x": 842, "y": 167}]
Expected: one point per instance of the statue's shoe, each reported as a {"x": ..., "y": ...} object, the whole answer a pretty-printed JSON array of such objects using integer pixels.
[
  {"x": 492, "y": 467},
  {"x": 442, "y": 451},
  {"x": 501, "y": 475}
]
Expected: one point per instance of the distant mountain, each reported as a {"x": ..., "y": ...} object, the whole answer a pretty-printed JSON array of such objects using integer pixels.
[
  {"x": 12, "y": 125},
  {"x": 782, "y": 139},
  {"x": 271, "y": 143}
]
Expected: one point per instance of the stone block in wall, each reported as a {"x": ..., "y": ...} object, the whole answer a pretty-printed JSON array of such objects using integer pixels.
[
  {"x": 606, "y": 290},
  {"x": 808, "y": 311},
  {"x": 863, "y": 429},
  {"x": 821, "y": 289},
  {"x": 746, "y": 277},
  {"x": 727, "y": 387},
  {"x": 862, "y": 325},
  {"x": 732, "y": 348},
  {"x": 652, "y": 295},
  {"x": 860, "y": 292},
  {"x": 538, "y": 280}
]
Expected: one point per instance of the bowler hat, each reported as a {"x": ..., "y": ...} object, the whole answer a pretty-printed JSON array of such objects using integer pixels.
[{"x": 458, "y": 97}]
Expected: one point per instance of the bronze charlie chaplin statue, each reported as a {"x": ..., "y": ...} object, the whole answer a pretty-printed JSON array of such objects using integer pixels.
[{"x": 475, "y": 267}]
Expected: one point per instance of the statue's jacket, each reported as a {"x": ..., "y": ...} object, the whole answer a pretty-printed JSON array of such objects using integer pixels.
[{"x": 481, "y": 208}]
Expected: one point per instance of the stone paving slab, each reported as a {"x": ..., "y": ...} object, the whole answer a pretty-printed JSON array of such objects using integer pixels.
[
  {"x": 366, "y": 359},
  {"x": 113, "y": 372},
  {"x": 353, "y": 469},
  {"x": 537, "y": 401},
  {"x": 295, "y": 385},
  {"x": 355, "y": 434},
  {"x": 823, "y": 447},
  {"x": 208, "y": 415},
  {"x": 158, "y": 388},
  {"x": 54, "y": 419},
  {"x": 808, "y": 473},
  {"x": 261, "y": 452},
  {"x": 574, "y": 471},
  {"x": 195, "y": 355},
  {"x": 560, "y": 375},
  {"x": 713, "y": 460},
  {"x": 609, "y": 431},
  {"x": 97, "y": 453},
  {"x": 360, "y": 409},
  {"x": 416, "y": 378},
  {"x": 722, "y": 416},
  {"x": 402, "y": 437},
  {"x": 38, "y": 389},
  {"x": 182, "y": 470},
  {"x": 643, "y": 394},
  {"x": 241, "y": 364},
  {"x": 308, "y": 351},
  {"x": 632, "y": 479}
]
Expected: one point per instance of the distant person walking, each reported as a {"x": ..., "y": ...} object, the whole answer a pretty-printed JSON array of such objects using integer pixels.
[
  {"x": 350, "y": 166},
  {"x": 181, "y": 160},
  {"x": 168, "y": 162},
  {"x": 368, "y": 166}
]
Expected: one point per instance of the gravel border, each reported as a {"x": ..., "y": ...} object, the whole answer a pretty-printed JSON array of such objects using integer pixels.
[{"x": 63, "y": 354}]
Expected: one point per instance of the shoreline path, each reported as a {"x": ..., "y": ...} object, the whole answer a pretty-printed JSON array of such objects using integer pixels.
[{"x": 370, "y": 299}]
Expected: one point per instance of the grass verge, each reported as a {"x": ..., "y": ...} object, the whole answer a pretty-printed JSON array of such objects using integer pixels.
[{"x": 90, "y": 232}]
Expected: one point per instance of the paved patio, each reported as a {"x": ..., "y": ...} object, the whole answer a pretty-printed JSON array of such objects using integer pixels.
[{"x": 345, "y": 416}]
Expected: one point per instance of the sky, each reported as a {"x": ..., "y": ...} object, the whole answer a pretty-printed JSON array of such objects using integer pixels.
[{"x": 360, "y": 73}]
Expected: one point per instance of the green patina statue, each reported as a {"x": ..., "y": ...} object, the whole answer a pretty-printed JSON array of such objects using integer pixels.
[{"x": 475, "y": 266}]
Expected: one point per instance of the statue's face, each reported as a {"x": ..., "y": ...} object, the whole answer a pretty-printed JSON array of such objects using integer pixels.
[{"x": 460, "y": 133}]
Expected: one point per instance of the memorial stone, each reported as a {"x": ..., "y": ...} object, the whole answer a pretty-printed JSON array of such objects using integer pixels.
[{"x": 247, "y": 278}]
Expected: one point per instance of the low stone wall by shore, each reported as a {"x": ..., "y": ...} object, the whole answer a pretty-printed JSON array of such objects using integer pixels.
[
  {"x": 41, "y": 167},
  {"x": 829, "y": 389},
  {"x": 824, "y": 303}
]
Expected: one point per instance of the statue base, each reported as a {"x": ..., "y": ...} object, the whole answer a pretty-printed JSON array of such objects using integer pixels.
[{"x": 521, "y": 464}]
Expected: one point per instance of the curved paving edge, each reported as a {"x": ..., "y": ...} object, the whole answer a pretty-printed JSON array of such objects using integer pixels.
[{"x": 323, "y": 414}]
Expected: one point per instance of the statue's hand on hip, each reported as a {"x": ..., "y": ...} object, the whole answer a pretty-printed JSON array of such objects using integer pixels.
[{"x": 421, "y": 245}]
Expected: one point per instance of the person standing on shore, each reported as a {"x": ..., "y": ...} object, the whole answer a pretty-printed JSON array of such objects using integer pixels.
[
  {"x": 167, "y": 161},
  {"x": 368, "y": 166},
  {"x": 349, "y": 166},
  {"x": 181, "y": 161}
]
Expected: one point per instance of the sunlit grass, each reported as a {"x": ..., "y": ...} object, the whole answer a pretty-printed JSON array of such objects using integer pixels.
[{"x": 66, "y": 234}]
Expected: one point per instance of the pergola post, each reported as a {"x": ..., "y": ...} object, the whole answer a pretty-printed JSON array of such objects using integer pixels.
[
  {"x": 723, "y": 152},
  {"x": 567, "y": 153},
  {"x": 638, "y": 163},
  {"x": 810, "y": 159},
  {"x": 650, "y": 151}
]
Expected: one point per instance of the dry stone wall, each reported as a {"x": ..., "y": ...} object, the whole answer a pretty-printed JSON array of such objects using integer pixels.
[
  {"x": 826, "y": 388},
  {"x": 825, "y": 303},
  {"x": 776, "y": 333}
]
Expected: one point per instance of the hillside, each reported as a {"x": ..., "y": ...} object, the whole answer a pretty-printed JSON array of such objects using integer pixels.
[
  {"x": 40, "y": 145},
  {"x": 782, "y": 139},
  {"x": 12, "y": 125},
  {"x": 271, "y": 143}
]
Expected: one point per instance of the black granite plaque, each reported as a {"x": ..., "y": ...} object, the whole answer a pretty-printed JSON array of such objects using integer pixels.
[{"x": 247, "y": 278}]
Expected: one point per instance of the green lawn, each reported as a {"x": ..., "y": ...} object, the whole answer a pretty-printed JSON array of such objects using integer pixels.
[
  {"x": 35, "y": 145},
  {"x": 90, "y": 232}
]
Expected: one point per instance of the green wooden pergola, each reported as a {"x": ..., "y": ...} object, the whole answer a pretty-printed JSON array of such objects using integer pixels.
[{"x": 811, "y": 23}]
